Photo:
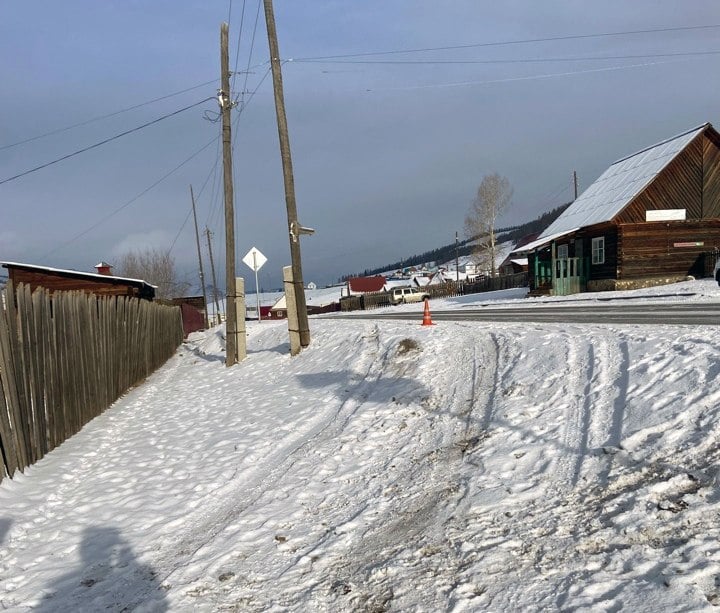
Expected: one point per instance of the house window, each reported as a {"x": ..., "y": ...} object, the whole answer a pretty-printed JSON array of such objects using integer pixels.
[
  {"x": 562, "y": 252},
  {"x": 598, "y": 250}
]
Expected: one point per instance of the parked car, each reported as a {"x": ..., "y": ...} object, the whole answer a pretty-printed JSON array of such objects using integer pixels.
[{"x": 403, "y": 295}]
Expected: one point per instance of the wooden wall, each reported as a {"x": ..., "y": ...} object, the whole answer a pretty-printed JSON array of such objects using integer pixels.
[
  {"x": 711, "y": 176},
  {"x": 651, "y": 250},
  {"x": 62, "y": 282},
  {"x": 678, "y": 186}
]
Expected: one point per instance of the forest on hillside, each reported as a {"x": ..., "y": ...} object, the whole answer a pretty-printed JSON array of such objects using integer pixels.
[{"x": 464, "y": 247}]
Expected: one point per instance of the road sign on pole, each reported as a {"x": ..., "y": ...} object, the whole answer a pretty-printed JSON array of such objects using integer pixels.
[{"x": 255, "y": 260}]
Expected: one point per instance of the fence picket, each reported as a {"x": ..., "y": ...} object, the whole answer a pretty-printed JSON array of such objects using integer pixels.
[{"x": 66, "y": 357}]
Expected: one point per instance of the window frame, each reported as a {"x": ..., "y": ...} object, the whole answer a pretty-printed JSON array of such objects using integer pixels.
[{"x": 597, "y": 249}]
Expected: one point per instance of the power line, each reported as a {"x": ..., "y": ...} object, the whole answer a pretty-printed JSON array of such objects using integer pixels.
[
  {"x": 177, "y": 236},
  {"x": 132, "y": 200},
  {"x": 241, "y": 109},
  {"x": 103, "y": 142},
  {"x": 252, "y": 47},
  {"x": 515, "y": 61},
  {"x": 101, "y": 117},
  {"x": 237, "y": 49},
  {"x": 514, "y": 42},
  {"x": 513, "y": 79}
]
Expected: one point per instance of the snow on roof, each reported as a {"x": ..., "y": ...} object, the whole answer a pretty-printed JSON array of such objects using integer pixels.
[
  {"x": 616, "y": 187},
  {"x": 77, "y": 273},
  {"x": 314, "y": 297}
]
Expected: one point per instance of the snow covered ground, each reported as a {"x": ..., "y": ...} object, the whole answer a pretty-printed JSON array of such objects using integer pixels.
[{"x": 390, "y": 467}]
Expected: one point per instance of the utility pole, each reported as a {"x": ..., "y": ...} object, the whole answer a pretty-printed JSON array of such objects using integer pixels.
[
  {"x": 575, "y": 183},
  {"x": 225, "y": 101},
  {"x": 202, "y": 274},
  {"x": 457, "y": 260},
  {"x": 294, "y": 228},
  {"x": 214, "y": 279}
]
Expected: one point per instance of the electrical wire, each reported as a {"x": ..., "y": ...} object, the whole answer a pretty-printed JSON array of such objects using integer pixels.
[
  {"x": 197, "y": 196},
  {"x": 177, "y": 236},
  {"x": 131, "y": 201},
  {"x": 514, "y": 42},
  {"x": 237, "y": 48},
  {"x": 515, "y": 61},
  {"x": 103, "y": 142},
  {"x": 108, "y": 115},
  {"x": 513, "y": 79},
  {"x": 241, "y": 110},
  {"x": 252, "y": 48}
]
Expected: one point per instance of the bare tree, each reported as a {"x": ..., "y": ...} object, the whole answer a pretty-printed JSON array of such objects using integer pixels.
[
  {"x": 155, "y": 267},
  {"x": 492, "y": 198}
]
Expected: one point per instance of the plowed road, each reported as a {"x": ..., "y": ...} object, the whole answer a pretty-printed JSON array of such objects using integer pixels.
[{"x": 707, "y": 313}]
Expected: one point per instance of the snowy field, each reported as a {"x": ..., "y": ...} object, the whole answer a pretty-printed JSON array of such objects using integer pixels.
[{"x": 391, "y": 467}]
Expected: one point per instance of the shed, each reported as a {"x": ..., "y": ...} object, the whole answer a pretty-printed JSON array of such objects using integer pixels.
[
  {"x": 57, "y": 279},
  {"x": 652, "y": 217}
]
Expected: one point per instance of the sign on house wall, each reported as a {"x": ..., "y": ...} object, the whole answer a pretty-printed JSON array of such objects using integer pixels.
[{"x": 666, "y": 215}]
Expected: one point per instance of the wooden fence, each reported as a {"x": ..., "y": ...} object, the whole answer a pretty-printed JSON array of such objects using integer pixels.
[
  {"x": 375, "y": 300},
  {"x": 65, "y": 358}
]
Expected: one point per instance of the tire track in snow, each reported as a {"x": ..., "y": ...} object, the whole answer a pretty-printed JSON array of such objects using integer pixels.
[
  {"x": 416, "y": 526},
  {"x": 573, "y": 414},
  {"x": 203, "y": 527}
]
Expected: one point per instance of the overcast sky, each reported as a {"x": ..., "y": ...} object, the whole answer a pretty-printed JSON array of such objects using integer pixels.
[{"x": 388, "y": 149}]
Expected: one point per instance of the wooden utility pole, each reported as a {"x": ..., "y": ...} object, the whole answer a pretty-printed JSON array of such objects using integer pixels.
[
  {"x": 294, "y": 228},
  {"x": 202, "y": 274},
  {"x": 226, "y": 104},
  {"x": 457, "y": 260},
  {"x": 214, "y": 278},
  {"x": 575, "y": 184}
]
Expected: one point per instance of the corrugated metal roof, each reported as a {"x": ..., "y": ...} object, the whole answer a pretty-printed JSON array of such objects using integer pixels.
[
  {"x": 542, "y": 241},
  {"x": 617, "y": 186}
]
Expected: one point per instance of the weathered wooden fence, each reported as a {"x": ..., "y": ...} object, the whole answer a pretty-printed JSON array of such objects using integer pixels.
[
  {"x": 65, "y": 358},
  {"x": 366, "y": 302}
]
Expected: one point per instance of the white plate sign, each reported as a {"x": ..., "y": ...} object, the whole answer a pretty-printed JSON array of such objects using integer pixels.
[{"x": 254, "y": 259}]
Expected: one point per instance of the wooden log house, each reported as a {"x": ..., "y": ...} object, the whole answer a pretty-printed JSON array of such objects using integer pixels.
[
  {"x": 651, "y": 218},
  {"x": 55, "y": 279}
]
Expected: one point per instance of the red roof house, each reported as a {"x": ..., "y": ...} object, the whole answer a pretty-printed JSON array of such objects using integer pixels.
[{"x": 366, "y": 285}]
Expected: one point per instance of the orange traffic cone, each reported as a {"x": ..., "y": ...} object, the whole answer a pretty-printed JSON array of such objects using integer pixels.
[{"x": 427, "y": 321}]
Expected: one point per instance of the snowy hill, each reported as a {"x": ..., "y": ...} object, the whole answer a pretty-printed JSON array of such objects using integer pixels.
[{"x": 390, "y": 467}]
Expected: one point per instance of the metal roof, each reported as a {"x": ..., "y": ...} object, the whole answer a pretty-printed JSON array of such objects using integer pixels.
[
  {"x": 541, "y": 241},
  {"x": 76, "y": 273},
  {"x": 616, "y": 187}
]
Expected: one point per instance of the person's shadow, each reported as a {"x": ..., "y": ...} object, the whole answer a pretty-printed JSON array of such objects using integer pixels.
[
  {"x": 109, "y": 578},
  {"x": 4, "y": 527}
]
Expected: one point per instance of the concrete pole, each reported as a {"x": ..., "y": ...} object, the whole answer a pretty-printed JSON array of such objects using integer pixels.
[
  {"x": 240, "y": 318},
  {"x": 291, "y": 303}
]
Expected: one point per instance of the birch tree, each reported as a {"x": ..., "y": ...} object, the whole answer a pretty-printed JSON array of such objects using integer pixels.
[
  {"x": 492, "y": 199},
  {"x": 155, "y": 267}
]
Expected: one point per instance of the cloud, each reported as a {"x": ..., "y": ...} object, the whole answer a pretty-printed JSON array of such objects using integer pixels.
[{"x": 141, "y": 241}]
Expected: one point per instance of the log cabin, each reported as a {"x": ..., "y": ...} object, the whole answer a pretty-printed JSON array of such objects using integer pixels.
[{"x": 651, "y": 218}]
